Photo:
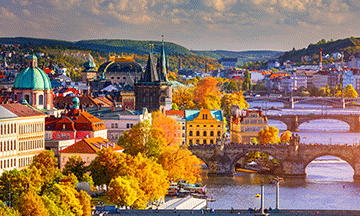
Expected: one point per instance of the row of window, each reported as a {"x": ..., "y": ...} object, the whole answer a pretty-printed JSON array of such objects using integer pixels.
[
  {"x": 198, "y": 141},
  {"x": 63, "y": 136},
  {"x": 7, "y": 145},
  {"x": 31, "y": 128},
  {"x": 25, "y": 161},
  {"x": 204, "y": 133},
  {"x": 7, "y": 163},
  {"x": 7, "y": 129},
  {"x": 114, "y": 125},
  {"x": 30, "y": 144},
  {"x": 254, "y": 121},
  {"x": 204, "y": 126}
]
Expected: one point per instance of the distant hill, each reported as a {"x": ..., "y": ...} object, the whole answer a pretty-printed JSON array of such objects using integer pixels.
[
  {"x": 104, "y": 45},
  {"x": 349, "y": 45},
  {"x": 243, "y": 56}
]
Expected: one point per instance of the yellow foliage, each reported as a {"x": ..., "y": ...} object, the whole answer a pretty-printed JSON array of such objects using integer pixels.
[
  {"x": 31, "y": 204},
  {"x": 180, "y": 163},
  {"x": 285, "y": 137},
  {"x": 183, "y": 98},
  {"x": 169, "y": 128},
  {"x": 66, "y": 198},
  {"x": 269, "y": 135},
  {"x": 236, "y": 98},
  {"x": 207, "y": 94}
]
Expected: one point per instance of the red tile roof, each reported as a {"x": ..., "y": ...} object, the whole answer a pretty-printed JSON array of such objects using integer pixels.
[
  {"x": 91, "y": 145},
  {"x": 22, "y": 110}
]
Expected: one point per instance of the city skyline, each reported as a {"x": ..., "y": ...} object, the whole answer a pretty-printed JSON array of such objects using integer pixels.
[{"x": 198, "y": 25}]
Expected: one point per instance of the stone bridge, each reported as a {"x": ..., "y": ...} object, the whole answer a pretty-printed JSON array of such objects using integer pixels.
[
  {"x": 294, "y": 121},
  {"x": 289, "y": 102},
  {"x": 293, "y": 159}
]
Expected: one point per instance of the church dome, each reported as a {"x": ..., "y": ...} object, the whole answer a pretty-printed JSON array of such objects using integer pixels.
[
  {"x": 89, "y": 64},
  {"x": 32, "y": 78},
  {"x": 121, "y": 64}
]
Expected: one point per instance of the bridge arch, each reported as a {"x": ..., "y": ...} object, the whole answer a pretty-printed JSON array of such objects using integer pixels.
[
  {"x": 265, "y": 151},
  {"x": 345, "y": 158},
  {"x": 343, "y": 126}
]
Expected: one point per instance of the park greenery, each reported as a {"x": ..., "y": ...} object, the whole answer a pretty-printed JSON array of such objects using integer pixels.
[{"x": 336, "y": 91}]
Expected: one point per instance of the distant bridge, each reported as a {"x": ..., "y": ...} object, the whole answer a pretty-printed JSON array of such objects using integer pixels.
[
  {"x": 293, "y": 159},
  {"x": 289, "y": 102},
  {"x": 294, "y": 121}
]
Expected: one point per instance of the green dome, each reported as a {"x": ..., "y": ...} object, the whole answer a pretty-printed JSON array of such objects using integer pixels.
[
  {"x": 76, "y": 102},
  {"x": 31, "y": 57},
  {"x": 32, "y": 78},
  {"x": 89, "y": 64}
]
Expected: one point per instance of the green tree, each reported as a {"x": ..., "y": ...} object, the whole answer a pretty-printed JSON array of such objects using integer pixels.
[
  {"x": 313, "y": 91},
  {"x": 350, "y": 92},
  {"x": 269, "y": 135},
  {"x": 246, "y": 85},
  {"x": 106, "y": 166},
  {"x": 75, "y": 165}
]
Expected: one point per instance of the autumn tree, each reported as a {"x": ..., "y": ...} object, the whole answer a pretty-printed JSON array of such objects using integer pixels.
[
  {"x": 75, "y": 165},
  {"x": 236, "y": 98},
  {"x": 6, "y": 211},
  {"x": 85, "y": 201},
  {"x": 180, "y": 163},
  {"x": 246, "y": 85},
  {"x": 285, "y": 137},
  {"x": 46, "y": 163},
  {"x": 143, "y": 138},
  {"x": 207, "y": 94},
  {"x": 168, "y": 127},
  {"x": 30, "y": 203},
  {"x": 105, "y": 166},
  {"x": 183, "y": 98},
  {"x": 350, "y": 92},
  {"x": 269, "y": 135},
  {"x": 125, "y": 191}
]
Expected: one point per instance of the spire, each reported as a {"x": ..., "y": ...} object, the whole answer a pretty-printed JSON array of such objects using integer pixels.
[
  {"x": 163, "y": 62},
  {"x": 151, "y": 74}
]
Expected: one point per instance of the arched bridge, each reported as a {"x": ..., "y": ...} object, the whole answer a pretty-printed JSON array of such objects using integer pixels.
[
  {"x": 294, "y": 121},
  {"x": 289, "y": 102},
  {"x": 293, "y": 159}
]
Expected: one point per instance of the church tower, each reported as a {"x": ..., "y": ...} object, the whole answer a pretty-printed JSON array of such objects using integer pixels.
[{"x": 153, "y": 91}]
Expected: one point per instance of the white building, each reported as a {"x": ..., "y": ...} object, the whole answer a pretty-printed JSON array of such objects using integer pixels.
[
  {"x": 22, "y": 131},
  {"x": 118, "y": 120}
]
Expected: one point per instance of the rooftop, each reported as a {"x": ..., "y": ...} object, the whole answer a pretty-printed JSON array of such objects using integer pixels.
[{"x": 91, "y": 145}]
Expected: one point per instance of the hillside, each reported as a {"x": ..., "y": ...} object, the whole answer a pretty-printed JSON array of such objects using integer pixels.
[
  {"x": 243, "y": 56},
  {"x": 349, "y": 45}
]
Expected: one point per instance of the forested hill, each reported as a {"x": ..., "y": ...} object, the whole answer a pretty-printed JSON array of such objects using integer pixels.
[
  {"x": 243, "y": 56},
  {"x": 105, "y": 46},
  {"x": 349, "y": 45}
]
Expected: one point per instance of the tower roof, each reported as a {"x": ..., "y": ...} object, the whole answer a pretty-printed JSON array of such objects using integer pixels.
[
  {"x": 89, "y": 64},
  {"x": 151, "y": 75},
  {"x": 32, "y": 78}
]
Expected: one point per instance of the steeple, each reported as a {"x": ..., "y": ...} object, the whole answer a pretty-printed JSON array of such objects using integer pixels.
[
  {"x": 151, "y": 74},
  {"x": 163, "y": 63}
]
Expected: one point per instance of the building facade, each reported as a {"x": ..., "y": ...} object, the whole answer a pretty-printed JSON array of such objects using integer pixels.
[
  {"x": 247, "y": 125},
  {"x": 179, "y": 117},
  {"x": 203, "y": 126},
  {"x": 22, "y": 135}
]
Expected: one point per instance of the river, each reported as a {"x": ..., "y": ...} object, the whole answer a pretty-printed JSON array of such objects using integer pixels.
[{"x": 329, "y": 183}]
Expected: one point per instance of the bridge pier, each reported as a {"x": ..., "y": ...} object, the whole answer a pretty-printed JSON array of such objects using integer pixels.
[{"x": 294, "y": 126}]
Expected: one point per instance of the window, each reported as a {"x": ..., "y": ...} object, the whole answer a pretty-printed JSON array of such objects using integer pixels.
[
  {"x": 190, "y": 125},
  {"x": 197, "y": 133},
  {"x": 41, "y": 99},
  {"x": 112, "y": 125},
  {"x": 204, "y": 141},
  {"x": 58, "y": 136},
  {"x": 219, "y": 133},
  {"x": 116, "y": 125},
  {"x": 112, "y": 77},
  {"x": 68, "y": 136},
  {"x": 211, "y": 141},
  {"x": 63, "y": 136},
  {"x": 205, "y": 116},
  {"x": 197, "y": 142},
  {"x": 211, "y": 133},
  {"x": 190, "y": 142},
  {"x": 204, "y": 134},
  {"x": 190, "y": 133},
  {"x": 219, "y": 125},
  {"x": 197, "y": 125}
]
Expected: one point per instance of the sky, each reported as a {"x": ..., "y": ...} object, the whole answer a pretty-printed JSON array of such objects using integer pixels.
[{"x": 195, "y": 24}]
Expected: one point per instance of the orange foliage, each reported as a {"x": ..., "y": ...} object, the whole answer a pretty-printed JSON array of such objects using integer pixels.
[
  {"x": 169, "y": 127},
  {"x": 207, "y": 94}
]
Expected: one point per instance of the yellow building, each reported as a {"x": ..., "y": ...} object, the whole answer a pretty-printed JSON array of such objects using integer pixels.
[
  {"x": 203, "y": 126},
  {"x": 247, "y": 125}
]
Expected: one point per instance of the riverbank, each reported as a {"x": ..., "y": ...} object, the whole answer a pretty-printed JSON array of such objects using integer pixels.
[{"x": 236, "y": 212}]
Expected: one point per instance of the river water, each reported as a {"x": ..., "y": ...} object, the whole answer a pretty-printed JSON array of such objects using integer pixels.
[{"x": 329, "y": 183}]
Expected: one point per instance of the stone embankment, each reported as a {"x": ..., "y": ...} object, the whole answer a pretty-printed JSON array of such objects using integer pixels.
[{"x": 235, "y": 212}]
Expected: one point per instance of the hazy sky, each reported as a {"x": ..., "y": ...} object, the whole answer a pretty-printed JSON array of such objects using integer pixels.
[{"x": 196, "y": 24}]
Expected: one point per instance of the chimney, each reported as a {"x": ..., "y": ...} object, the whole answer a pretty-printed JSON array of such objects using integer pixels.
[
  {"x": 320, "y": 59},
  {"x": 342, "y": 59}
]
